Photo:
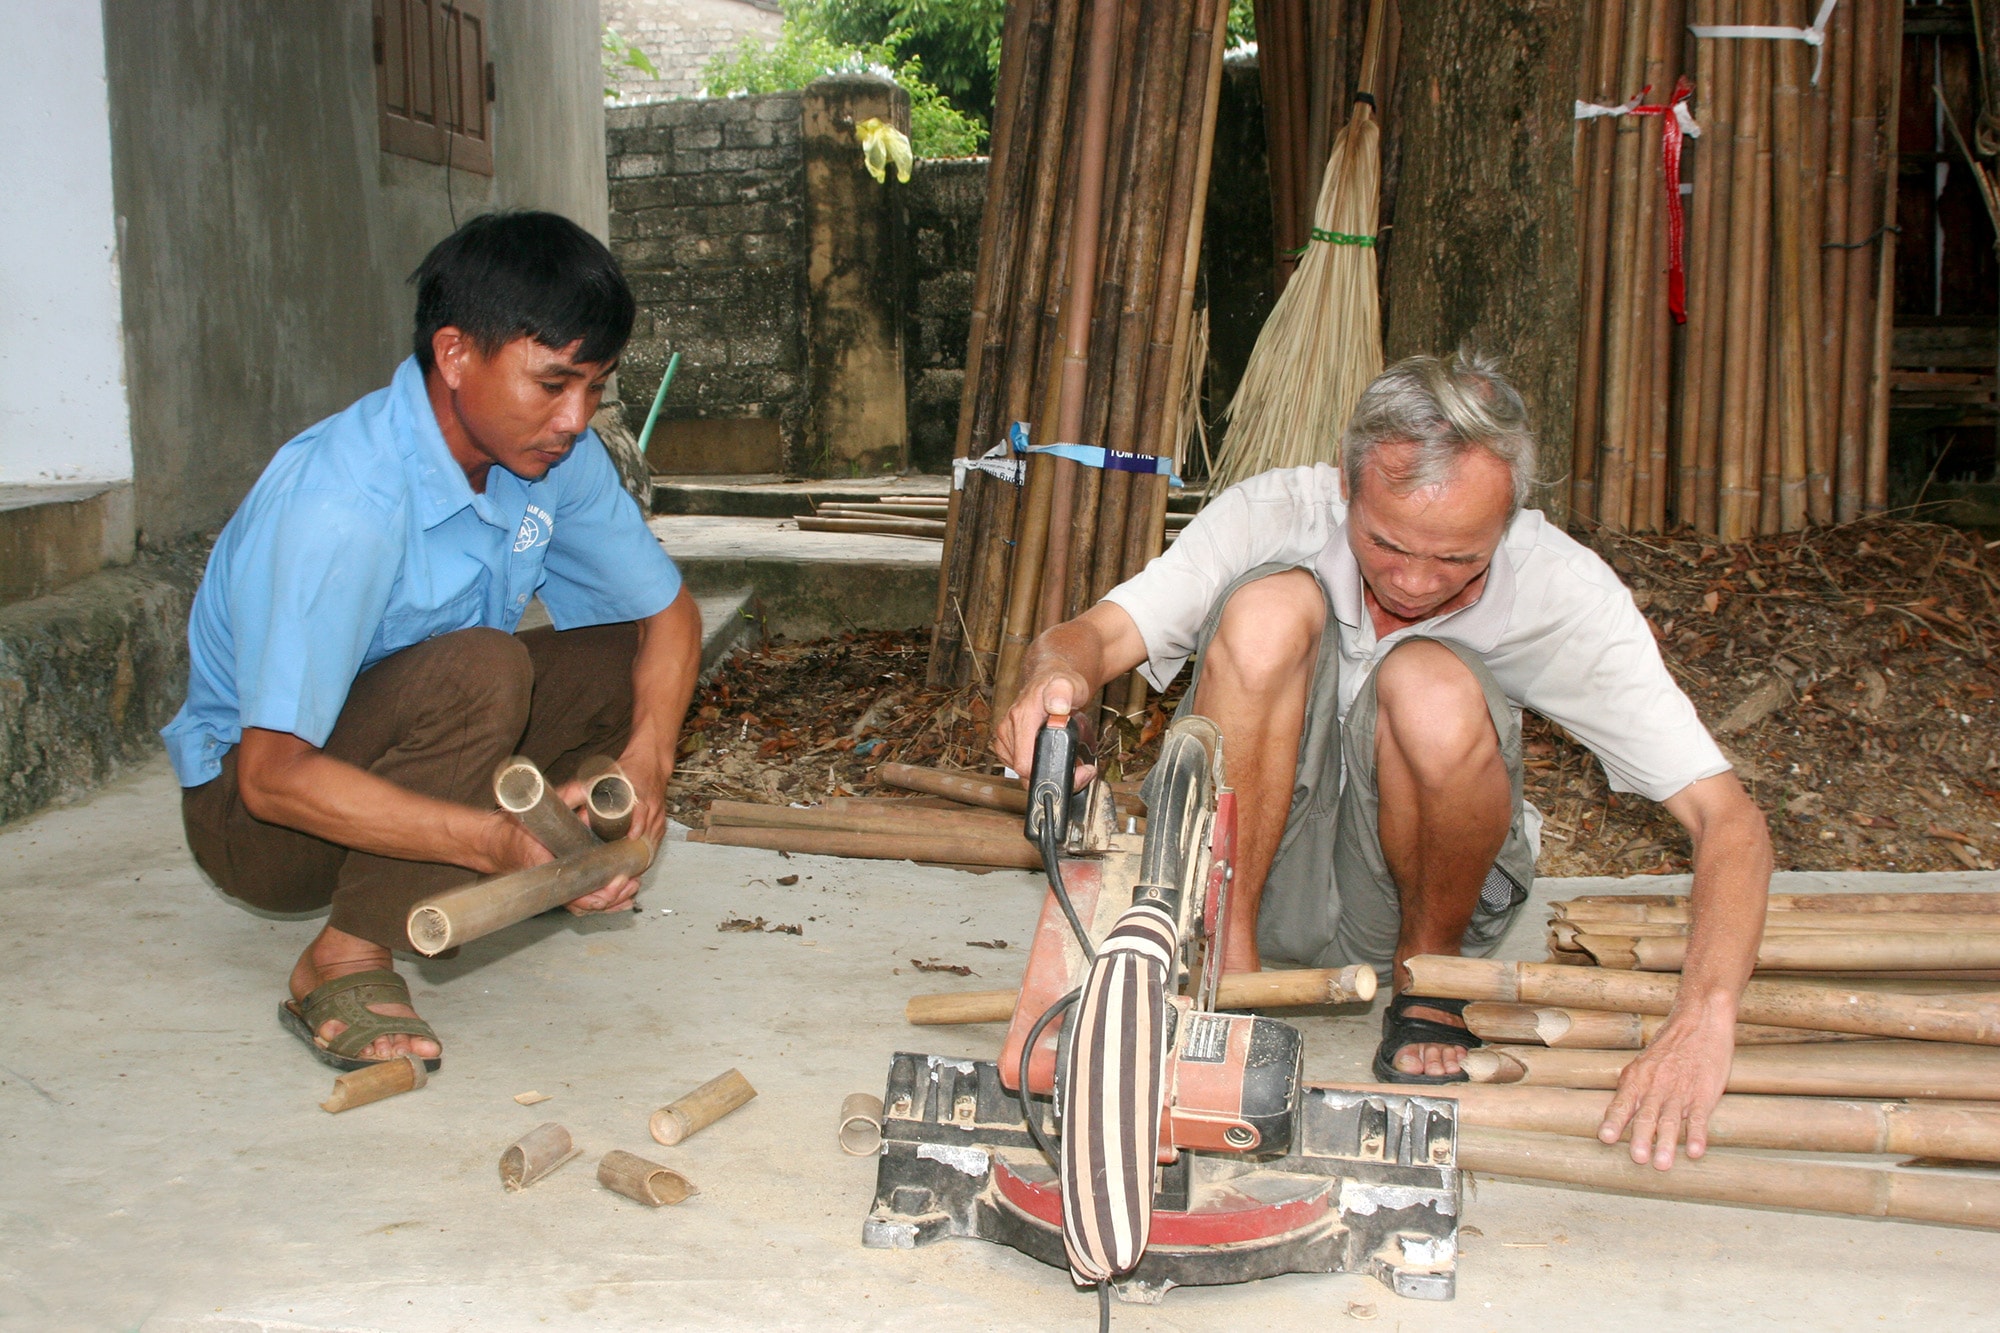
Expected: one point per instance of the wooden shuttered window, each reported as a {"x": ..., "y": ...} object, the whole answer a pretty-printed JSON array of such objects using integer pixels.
[{"x": 433, "y": 81}]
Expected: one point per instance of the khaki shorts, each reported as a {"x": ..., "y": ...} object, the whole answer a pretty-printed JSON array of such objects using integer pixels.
[{"x": 1329, "y": 899}]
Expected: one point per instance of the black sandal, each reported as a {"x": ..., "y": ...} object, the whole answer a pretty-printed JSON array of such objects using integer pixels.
[{"x": 1400, "y": 1030}]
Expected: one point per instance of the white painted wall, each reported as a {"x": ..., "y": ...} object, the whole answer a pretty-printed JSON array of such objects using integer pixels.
[{"x": 63, "y": 415}]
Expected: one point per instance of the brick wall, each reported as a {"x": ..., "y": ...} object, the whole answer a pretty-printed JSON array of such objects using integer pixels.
[
  {"x": 680, "y": 36},
  {"x": 707, "y": 218},
  {"x": 941, "y": 208}
]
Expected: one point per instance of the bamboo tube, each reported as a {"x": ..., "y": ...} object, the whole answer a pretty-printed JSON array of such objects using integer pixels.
[
  {"x": 1813, "y": 951},
  {"x": 1702, "y": 411},
  {"x": 608, "y": 797},
  {"x": 1745, "y": 1120},
  {"x": 1828, "y": 1008},
  {"x": 1864, "y": 180},
  {"x": 1742, "y": 410},
  {"x": 1724, "y": 1177},
  {"x": 1602, "y": 134},
  {"x": 1900, "y": 1069},
  {"x": 1788, "y": 218},
  {"x": 1674, "y": 907},
  {"x": 1839, "y": 119},
  {"x": 970, "y": 788},
  {"x": 534, "y": 1155},
  {"x": 371, "y": 1083},
  {"x": 1595, "y": 1029},
  {"x": 1762, "y": 454},
  {"x": 880, "y": 817},
  {"x": 524, "y": 793},
  {"x": 1236, "y": 990},
  {"x": 1811, "y": 172},
  {"x": 1650, "y": 345},
  {"x": 1016, "y": 853},
  {"x": 861, "y": 1124},
  {"x": 1614, "y": 504},
  {"x": 889, "y": 527},
  {"x": 642, "y": 1181},
  {"x": 471, "y": 911},
  {"x": 684, "y": 1117},
  {"x": 1876, "y": 495}
]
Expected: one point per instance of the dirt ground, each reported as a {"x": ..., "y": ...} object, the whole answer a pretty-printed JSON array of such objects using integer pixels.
[{"x": 1849, "y": 672}]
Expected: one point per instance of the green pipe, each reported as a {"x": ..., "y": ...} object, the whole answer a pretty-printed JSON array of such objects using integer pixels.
[{"x": 659, "y": 398}]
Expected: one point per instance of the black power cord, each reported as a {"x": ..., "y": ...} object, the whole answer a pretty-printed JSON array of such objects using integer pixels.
[{"x": 1028, "y": 1111}]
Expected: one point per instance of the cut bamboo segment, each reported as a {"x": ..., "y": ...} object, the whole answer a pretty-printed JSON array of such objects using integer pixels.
[
  {"x": 1236, "y": 990},
  {"x": 1797, "y": 1124},
  {"x": 471, "y": 911},
  {"x": 992, "y": 793},
  {"x": 1812, "y": 951},
  {"x": 1828, "y": 1008},
  {"x": 1951, "y": 1198},
  {"x": 940, "y": 849},
  {"x": 522, "y": 791},
  {"x": 608, "y": 797},
  {"x": 1595, "y": 1029},
  {"x": 861, "y": 1124},
  {"x": 1896, "y": 1069},
  {"x": 534, "y": 1155},
  {"x": 643, "y": 1181},
  {"x": 685, "y": 1116},
  {"x": 372, "y": 1083}
]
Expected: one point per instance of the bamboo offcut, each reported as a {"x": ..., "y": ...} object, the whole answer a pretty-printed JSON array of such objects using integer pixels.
[
  {"x": 1951, "y": 1198},
  {"x": 461, "y": 915},
  {"x": 358, "y": 1087},
  {"x": 685, "y": 1116},
  {"x": 534, "y": 1155},
  {"x": 643, "y": 1181}
]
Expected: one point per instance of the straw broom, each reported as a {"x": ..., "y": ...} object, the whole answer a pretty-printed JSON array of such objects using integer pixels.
[{"x": 1323, "y": 342}]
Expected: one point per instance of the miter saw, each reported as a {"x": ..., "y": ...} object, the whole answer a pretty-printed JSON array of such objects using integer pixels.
[{"x": 1131, "y": 1132}]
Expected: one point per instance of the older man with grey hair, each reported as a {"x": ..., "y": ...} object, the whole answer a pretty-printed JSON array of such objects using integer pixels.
[{"x": 1366, "y": 639}]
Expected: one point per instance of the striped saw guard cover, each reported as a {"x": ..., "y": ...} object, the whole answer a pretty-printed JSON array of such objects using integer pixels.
[{"x": 1115, "y": 1089}]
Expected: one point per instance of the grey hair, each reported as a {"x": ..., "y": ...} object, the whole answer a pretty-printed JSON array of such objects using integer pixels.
[{"x": 1444, "y": 410}]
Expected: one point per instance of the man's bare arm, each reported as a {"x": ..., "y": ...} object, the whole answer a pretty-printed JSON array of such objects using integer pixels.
[
  {"x": 664, "y": 671},
  {"x": 1064, "y": 666},
  {"x": 1670, "y": 1090},
  {"x": 285, "y": 780}
]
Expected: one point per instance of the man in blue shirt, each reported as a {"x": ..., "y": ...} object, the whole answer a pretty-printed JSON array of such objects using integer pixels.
[{"x": 354, "y": 678}]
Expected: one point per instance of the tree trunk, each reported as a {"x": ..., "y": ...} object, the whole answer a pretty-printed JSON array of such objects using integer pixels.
[{"x": 1485, "y": 223}]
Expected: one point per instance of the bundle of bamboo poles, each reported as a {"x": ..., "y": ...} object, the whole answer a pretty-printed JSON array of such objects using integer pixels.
[
  {"x": 1768, "y": 409},
  {"x": 1871, "y": 1025},
  {"x": 1081, "y": 316},
  {"x": 965, "y": 820}
]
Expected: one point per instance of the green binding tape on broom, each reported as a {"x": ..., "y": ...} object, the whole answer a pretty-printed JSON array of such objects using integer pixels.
[
  {"x": 659, "y": 397},
  {"x": 1335, "y": 238}
]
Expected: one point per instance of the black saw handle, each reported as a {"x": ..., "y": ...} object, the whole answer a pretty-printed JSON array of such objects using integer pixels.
[{"x": 1053, "y": 777}]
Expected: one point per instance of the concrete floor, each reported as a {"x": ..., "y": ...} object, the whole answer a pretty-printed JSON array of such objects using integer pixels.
[{"x": 164, "y": 1164}]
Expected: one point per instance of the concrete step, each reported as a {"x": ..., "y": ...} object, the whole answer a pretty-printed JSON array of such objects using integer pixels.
[{"x": 805, "y": 585}]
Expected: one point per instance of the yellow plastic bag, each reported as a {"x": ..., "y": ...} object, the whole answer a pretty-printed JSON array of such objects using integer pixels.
[{"x": 881, "y": 144}]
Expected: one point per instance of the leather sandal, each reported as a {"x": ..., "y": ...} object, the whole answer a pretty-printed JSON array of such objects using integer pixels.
[
  {"x": 1399, "y": 1030},
  {"x": 347, "y": 999}
]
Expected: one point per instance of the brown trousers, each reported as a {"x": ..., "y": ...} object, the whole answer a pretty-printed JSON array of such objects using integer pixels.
[{"x": 436, "y": 718}]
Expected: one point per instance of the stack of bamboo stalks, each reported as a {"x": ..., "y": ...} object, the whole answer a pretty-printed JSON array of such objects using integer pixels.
[
  {"x": 1857, "y": 999},
  {"x": 902, "y": 516},
  {"x": 1771, "y": 411},
  {"x": 1082, "y": 314},
  {"x": 969, "y": 821}
]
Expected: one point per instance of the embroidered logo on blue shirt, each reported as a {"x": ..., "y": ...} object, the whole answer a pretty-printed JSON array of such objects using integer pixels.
[{"x": 536, "y": 528}]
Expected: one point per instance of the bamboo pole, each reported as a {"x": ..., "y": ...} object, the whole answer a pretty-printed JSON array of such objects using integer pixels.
[
  {"x": 1614, "y": 504},
  {"x": 965, "y": 822},
  {"x": 1839, "y": 120},
  {"x": 1864, "y": 181},
  {"x": 1876, "y": 497},
  {"x": 1826, "y": 1007},
  {"x": 1788, "y": 218},
  {"x": 886, "y": 527},
  {"x": 1602, "y": 134},
  {"x": 1746, "y": 1120},
  {"x": 940, "y": 849},
  {"x": 1236, "y": 990},
  {"x": 1702, "y": 412},
  {"x": 970, "y": 788},
  {"x": 1675, "y": 906},
  {"x": 1762, "y": 515},
  {"x": 1651, "y": 346},
  {"x": 1813, "y": 951},
  {"x": 1736, "y": 493},
  {"x": 1724, "y": 1177},
  {"x": 459, "y": 916},
  {"x": 1595, "y": 1029},
  {"x": 1811, "y": 170},
  {"x": 1900, "y": 1069}
]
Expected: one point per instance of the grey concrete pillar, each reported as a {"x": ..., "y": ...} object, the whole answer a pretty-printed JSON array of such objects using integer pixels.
[{"x": 854, "y": 236}]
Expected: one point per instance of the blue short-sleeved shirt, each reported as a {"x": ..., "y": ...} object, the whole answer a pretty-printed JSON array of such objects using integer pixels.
[{"x": 363, "y": 537}]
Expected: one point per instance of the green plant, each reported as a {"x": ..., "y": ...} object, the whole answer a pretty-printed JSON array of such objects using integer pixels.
[
  {"x": 619, "y": 53},
  {"x": 801, "y": 54},
  {"x": 958, "y": 41}
]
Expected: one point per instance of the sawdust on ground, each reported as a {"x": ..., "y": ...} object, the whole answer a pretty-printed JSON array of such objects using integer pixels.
[{"x": 1849, "y": 672}]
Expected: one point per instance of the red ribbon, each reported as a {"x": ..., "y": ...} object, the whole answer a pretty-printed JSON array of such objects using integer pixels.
[{"x": 1670, "y": 152}]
